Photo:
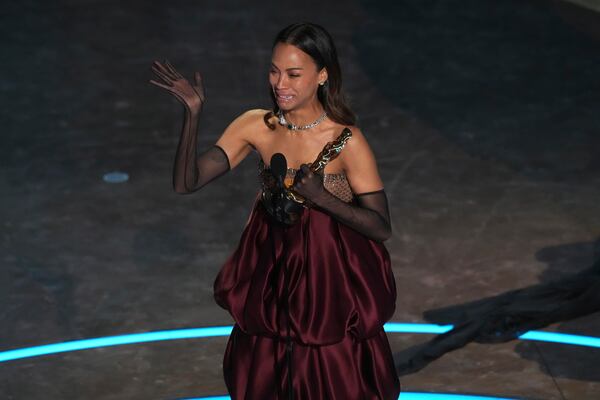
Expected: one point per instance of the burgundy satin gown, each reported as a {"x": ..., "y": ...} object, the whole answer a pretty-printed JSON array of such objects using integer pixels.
[{"x": 327, "y": 287}]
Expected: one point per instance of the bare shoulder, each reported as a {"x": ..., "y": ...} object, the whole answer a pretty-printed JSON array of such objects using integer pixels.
[
  {"x": 239, "y": 138},
  {"x": 360, "y": 164},
  {"x": 357, "y": 147},
  {"x": 251, "y": 119},
  {"x": 255, "y": 114}
]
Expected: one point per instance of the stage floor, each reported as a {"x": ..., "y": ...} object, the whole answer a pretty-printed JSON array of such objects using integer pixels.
[{"x": 482, "y": 115}]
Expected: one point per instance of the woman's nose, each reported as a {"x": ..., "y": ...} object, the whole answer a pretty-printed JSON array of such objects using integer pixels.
[{"x": 281, "y": 82}]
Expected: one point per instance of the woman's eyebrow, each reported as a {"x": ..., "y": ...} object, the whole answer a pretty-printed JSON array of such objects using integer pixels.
[{"x": 287, "y": 69}]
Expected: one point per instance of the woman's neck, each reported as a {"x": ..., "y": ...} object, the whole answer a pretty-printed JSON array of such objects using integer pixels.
[{"x": 305, "y": 115}]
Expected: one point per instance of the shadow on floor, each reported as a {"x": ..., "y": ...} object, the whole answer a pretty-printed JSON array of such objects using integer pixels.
[{"x": 568, "y": 291}]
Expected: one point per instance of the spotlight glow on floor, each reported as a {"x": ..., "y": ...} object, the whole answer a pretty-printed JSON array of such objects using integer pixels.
[
  {"x": 107, "y": 341},
  {"x": 403, "y": 396},
  {"x": 564, "y": 338},
  {"x": 193, "y": 333}
]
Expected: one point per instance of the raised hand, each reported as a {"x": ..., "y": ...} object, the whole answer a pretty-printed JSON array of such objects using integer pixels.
[{"x": 191, "y": 96}]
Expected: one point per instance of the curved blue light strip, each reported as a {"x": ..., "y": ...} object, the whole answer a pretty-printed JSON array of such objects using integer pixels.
[
  {"x": 399, "y": 327},
  {"x": 565, "y": 338},
  {"x": 444, "y": 396},
  {"x": 115, "y": 341},
  {"x": 226, "y": 330},
  {"x": 403, "y": 396}
]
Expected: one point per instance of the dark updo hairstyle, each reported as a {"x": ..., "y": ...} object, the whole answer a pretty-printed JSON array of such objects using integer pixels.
[{"x": 315, "y": 41}]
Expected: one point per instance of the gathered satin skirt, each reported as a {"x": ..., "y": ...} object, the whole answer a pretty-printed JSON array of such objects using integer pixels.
[
  {"x": 309, "y": 302},
  {"x": 255, "y": 367}
]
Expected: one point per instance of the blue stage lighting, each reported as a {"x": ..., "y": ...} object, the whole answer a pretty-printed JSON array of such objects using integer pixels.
[
  {"x": 403, "y": 396},
  {"x": 194, "y": 333}
]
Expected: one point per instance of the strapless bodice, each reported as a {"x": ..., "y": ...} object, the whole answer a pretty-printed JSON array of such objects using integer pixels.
[{"x": 336, "y": 184}]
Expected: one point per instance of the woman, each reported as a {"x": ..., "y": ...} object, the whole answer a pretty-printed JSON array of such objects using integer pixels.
[{"x": 310, "y": 284}]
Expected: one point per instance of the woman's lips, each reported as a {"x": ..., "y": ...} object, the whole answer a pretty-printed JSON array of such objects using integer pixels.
[{"x": 281, "y": 98}]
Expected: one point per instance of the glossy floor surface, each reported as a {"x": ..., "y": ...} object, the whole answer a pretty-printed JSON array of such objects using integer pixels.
[{"x": 483, "y": 116}]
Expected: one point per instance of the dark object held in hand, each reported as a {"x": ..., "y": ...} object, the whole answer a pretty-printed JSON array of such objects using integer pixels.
[
  {"x": 285, "y": 205},
  {"x": 277, "y": 201}
]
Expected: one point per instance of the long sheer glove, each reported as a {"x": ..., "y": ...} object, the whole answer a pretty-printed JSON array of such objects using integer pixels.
[
  {"x": 191, "y": 171},
  {"x": 371, "y": 216}
]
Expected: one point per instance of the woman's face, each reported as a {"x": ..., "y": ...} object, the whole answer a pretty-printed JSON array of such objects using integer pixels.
[{"x": 294, "y": 77}]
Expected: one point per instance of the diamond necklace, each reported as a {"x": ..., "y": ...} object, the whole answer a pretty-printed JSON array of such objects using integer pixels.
[{"x": 293, "y": 127}]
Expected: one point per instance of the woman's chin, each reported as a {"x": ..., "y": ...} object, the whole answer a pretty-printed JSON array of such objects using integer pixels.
[{"x": 285, "y": 105}]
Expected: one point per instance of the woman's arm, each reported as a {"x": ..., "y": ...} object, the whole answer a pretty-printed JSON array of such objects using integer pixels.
[
  {"x": 192, "y": 171},
  {"x": 371, "y": 216}
]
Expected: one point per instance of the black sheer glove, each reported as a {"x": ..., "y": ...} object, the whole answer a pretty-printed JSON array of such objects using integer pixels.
[
  {"x": 190, "y": 171},
  {"x": 375, "y": 202},
  {"x": 371, "y": 216},
  {"x": 308, "y": 184}
]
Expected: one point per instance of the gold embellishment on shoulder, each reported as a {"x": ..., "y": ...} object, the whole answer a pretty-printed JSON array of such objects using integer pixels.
[{"x": 330, "y": 151}]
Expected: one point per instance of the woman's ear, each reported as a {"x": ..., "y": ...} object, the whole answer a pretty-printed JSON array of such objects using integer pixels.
[{"x": 323, "y": 76}]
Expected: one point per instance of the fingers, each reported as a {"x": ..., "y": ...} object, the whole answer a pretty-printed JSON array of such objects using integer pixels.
[
  {"x": 307, "y": 174},
  {"x": 306, "y": 170},
  {"x": 166, "y": 78},
  {"x": 161, "y": 67},
  {"x": 173, "y": 70},
  {"x": 198, "y": 78},
  {"x": 169, "y": 88},
  {"x": 164, "y": 71},
  {"x": 198, "y": 86}
]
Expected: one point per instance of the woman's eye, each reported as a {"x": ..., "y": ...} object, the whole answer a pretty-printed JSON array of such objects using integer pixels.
[{"x": 294, "y": 75}]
